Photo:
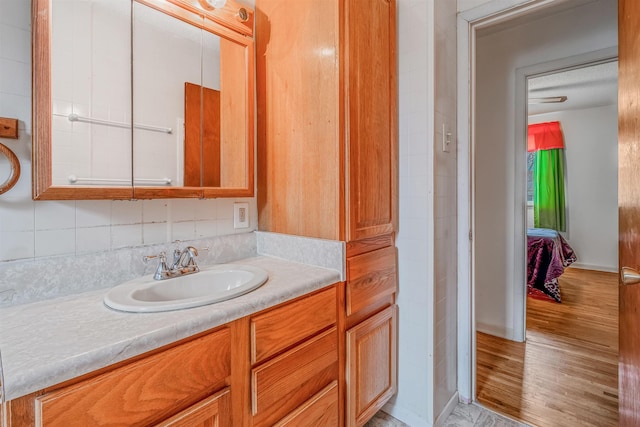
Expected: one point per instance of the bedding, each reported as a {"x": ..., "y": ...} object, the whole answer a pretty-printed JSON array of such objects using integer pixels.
[{"x": 548, "y": 254}]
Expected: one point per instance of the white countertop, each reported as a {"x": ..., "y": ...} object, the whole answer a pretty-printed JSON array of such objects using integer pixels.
[{"x": 47, "y": 342}]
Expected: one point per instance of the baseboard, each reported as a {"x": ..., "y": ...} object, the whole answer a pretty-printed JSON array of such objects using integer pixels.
[
  {"x": 583, "y": 266},
  {"x": 448, "y": 409},
  {"x": 496, "y": 331},
  {"x": 465, "y": 400},
  {"x": 405, "y": 416}
]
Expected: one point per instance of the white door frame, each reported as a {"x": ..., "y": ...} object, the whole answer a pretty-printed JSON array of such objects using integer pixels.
[{"x": 468, "y": 24}]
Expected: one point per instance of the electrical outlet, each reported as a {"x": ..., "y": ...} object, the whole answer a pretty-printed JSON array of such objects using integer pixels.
[{"x": 241, "y": 215}]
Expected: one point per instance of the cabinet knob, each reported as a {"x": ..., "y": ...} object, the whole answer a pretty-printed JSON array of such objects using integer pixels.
[{"x": 242, "y": 15}]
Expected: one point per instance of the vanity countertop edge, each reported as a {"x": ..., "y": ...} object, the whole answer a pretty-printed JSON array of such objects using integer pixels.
[{"x": 49, "y": 342}]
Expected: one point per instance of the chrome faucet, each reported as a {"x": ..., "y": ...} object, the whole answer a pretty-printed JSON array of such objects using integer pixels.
[{"x": 184, "y": 262}]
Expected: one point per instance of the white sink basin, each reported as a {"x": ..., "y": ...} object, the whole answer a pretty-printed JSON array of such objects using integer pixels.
[{"x": 211, "y": 284}]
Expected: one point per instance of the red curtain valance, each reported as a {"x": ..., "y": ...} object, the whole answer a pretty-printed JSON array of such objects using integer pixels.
[{"x": 545, "y": 136}]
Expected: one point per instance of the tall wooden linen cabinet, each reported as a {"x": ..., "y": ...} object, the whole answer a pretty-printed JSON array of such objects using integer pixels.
[{"x": 327, "y": 165}]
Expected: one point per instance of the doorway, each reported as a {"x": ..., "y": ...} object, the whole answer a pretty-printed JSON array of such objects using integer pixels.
[
  {"x": 565, "y": 373},
  {"x": 507, "y": 320}
]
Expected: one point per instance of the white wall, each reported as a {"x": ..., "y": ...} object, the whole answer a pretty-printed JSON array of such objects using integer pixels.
[
  {"x": 470, "y": 4},
  {"x": 445, "y": 177},
  {"x": 30, "y": 230},
  {"x": 591, "y": 142},
  {"x": 572, "y": 32},
  {"x": 414, "y": 402},
  {"x": 427, "y": 236}
]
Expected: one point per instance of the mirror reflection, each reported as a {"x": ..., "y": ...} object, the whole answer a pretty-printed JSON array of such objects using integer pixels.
[
  {"x": 91, "y": 92},
  {"x": 167, "y": 53},
  {"x": 140, "y": 97}
]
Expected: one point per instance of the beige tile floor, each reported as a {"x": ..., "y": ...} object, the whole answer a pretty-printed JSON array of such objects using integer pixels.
[{"x": 462, "y": 416}]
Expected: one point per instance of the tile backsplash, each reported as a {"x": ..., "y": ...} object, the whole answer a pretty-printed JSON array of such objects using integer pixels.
[
  {"x": 31, "y": 280},
  {"x": 26, "y": 281},
  {"x": 33, "y": 229},
  {"x": 38, "y": 229}
]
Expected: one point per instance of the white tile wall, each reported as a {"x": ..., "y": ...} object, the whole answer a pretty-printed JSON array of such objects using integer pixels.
[
  {"x": 414, "y": 401},
  {"x": 37, "y": 229},
  {"x": 155, "y": 233},
  {"x": 445, "y": 273},
  {"x": 93, "y": 239},
  {"x": 55, "y": 242},
  {"x": 427, "y": 236},
  {"x": 126, "y": 212},
  {"x": 155, "y": 211},
  {"x": 93, "y": 213},
  {"x": 55, "y": 215},
  {"x": 17, "y": 244}
]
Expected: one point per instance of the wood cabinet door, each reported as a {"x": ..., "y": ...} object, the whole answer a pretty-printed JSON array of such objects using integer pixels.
[
  {"x": 214, "y": 411},
  {"x": 370, "y": 54},
  {"x": 300, "y": 131},
  {"x": 371, "y": 366}
]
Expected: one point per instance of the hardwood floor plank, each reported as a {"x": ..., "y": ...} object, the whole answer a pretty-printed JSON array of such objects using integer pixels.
[{"x": 566, "y": 373}]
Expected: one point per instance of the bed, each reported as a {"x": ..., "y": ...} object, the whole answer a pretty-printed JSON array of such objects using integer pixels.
[{"x": 548, "y": 254}]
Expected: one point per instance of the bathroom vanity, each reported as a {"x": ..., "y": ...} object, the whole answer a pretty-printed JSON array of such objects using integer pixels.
[
  {"x": 252, "y": 360},
  {"x": 282, "y": 354}
]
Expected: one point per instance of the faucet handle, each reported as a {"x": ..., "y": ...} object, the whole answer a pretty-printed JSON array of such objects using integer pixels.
[
  {"x": 176, "y": 256},
  {"x": 202, "y": 249},
  {"x": 162, "y": 255},
  {"x": 187, "y": 257},
  {"x": 193, "y": 251},
  {"x": 162, "y": 271}
]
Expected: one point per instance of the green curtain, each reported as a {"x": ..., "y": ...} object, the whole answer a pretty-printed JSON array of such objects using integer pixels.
[{"x": 548, "y": 199}]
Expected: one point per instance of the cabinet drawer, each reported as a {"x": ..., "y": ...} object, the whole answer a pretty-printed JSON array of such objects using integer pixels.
[
  {"x": 214, "y": 411},
  {"x": 321, "y": 410},
  {"x": 370, "y": 277},
  {"x": 285, "y": 326},
  {"x": 284, "y": 383},
  {"x": 145, "y": 391}
]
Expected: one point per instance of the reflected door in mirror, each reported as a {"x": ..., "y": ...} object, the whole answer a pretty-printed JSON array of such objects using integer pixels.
[{"x": 202, "y": 136}]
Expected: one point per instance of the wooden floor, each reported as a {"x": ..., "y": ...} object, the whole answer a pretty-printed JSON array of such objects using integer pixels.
[{"x": 566, "y": 374}]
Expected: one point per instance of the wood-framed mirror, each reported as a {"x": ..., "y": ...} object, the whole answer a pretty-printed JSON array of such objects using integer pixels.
[{"x": 142, "y": 99}]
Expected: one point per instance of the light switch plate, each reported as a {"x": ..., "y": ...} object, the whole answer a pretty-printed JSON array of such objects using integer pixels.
[
  {"x": 241, "y": 215},
  {"x": 446, "y": 138}
]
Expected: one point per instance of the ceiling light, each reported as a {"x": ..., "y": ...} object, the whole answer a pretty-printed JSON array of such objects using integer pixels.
[{"x": 548, "y": 100}]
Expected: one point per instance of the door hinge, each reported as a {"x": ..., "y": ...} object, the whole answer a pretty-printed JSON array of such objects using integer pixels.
[{"x": 470, "y": 235}]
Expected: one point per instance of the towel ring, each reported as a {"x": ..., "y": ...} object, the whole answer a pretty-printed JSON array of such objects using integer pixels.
[{"x": 14, "y": 163}]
